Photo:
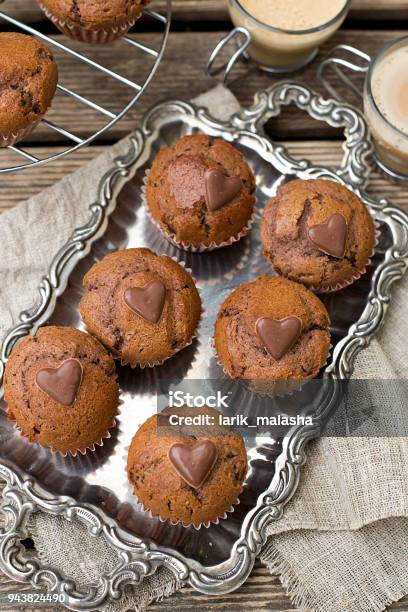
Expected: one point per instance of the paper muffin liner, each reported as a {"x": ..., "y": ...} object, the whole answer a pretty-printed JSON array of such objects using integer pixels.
[
  {"x": 7, "y": 140},
  {"x": 272, "y": 388},
  {"x": 96, "y": 36},
  {"x": 72, "y": 453},
  {"x": 202, "y": 248},
  {"x": 152, "y": 364},
  {"x": 358, "y": 274},
  {"x": 196, "y": 526}
]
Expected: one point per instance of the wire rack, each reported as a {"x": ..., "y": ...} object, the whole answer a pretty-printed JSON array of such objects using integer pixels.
[{"x": 132, "y": 47}]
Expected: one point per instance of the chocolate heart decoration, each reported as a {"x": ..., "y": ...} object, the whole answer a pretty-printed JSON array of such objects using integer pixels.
[
  {"x": 62, "y": 383},
  {"x": 278, "y": 337},
  {"x": 193, "y": 463},
  {"x": 220, "y": 189},
  {"x": 147, "y": 301},
  {"x": 330, "y": 237}
]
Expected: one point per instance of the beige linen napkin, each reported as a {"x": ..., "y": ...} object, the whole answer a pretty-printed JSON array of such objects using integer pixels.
[{"x": 342, "y": 542}]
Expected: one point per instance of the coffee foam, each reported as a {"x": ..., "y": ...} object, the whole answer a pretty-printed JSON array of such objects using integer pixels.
[
  {"x": 389, "y": 86},
  {"x": 293, "y": 14}
]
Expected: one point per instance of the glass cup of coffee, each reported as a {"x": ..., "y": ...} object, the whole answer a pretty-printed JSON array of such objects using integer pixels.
[
  {"x": 386, "y": 107},
  {"x": 284, "y": 35}
]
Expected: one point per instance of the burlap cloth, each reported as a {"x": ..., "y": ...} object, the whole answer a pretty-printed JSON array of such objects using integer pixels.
[{"x": 342, "y": 543}]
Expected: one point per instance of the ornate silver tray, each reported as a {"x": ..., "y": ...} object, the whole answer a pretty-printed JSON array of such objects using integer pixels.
[{"x": 217, "y": 559}]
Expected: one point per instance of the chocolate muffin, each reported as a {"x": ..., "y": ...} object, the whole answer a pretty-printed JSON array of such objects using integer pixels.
[
  {"x": 319, "y": 233},
  {"x": 142, "y": 307},
  {"x": 186, "y": 475},
  {"x": 61, "y": 390},
  {"x": 90, "y": 21},
  {"x": 28, "y": 76},
  {"x": 272, "y": 329},
  {"x": 200, "y": 192}
]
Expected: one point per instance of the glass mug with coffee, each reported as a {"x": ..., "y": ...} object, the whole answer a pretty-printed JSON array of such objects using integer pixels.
[
  {"x": 284, "y": 35},
  {"x": 386, "y": 107}
]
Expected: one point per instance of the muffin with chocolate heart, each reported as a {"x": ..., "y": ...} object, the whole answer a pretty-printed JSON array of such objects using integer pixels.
[
  {"x": 143, "y": 307},
  {"x": 319, "y": 233},
  {"x": 189, "y": 475},
  {"x": 28, "y": 77},
  {"x": 272, "y": 329},
  {"x": 93, "y": 22},
  {"x": 61, "y": 390},
  {"x": 200, "y": 193}
]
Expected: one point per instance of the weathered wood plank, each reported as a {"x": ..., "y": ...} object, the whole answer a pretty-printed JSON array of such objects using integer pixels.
[
  {"x": 379, "y": 9},
  {"x": 18, "y": 187},
  {"x": 181, "y": 75},
  {"x": 216, "y": 10}
]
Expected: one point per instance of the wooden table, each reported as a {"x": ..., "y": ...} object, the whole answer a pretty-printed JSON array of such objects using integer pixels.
[{"x": 198, "y": 25}]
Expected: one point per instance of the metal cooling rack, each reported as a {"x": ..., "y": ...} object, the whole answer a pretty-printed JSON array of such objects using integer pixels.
[{"x": 74, "y": 142}]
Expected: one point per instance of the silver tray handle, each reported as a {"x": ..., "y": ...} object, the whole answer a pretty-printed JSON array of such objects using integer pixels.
[
  {"x": 242, "y": 38},
  {"x": 360, "y": 65}
]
